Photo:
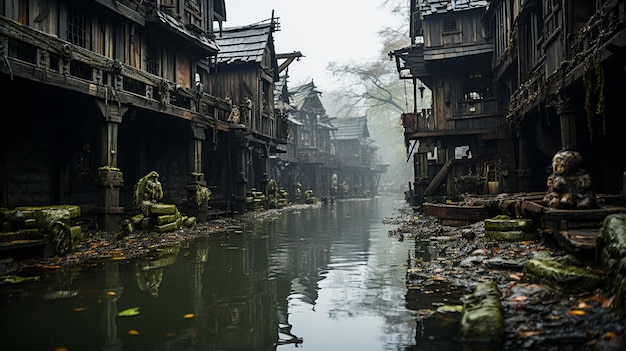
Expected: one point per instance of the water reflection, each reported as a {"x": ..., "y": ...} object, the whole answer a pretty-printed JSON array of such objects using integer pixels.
[{"x": 322, "y": 278}]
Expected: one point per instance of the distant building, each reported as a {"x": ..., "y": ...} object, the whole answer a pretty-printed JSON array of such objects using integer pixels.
[{"x": 358, "y": 171}]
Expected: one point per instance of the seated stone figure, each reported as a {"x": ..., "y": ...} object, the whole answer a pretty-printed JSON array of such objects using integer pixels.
[
  {"x": 148, "y": 190},
  {"x": 569, "y": 186}
]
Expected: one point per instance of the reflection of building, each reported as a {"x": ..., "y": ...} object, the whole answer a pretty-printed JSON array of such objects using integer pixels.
[
  {"x": 515, "y": 82},
  {"x": 112, "y": 293}
]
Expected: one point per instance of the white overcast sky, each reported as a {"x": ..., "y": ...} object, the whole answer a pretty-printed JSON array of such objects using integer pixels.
[{"x": 323, "y": 31}]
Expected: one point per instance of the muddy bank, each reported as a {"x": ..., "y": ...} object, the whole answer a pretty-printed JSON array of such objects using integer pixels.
[{"x": 536, "y": 315}]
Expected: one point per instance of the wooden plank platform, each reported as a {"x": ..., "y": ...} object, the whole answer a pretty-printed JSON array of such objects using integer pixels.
[
  {"x": 456, "y": 215},
  {"x": 576, "y": 231}
]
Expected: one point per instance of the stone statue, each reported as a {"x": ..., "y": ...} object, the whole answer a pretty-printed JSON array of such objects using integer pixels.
[
  {"x": 148, "y": 190},
  {"x": 569, "y": 186}
]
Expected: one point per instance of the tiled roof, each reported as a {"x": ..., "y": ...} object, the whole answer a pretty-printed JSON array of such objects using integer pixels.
[
  {"x": 351, "y": 128},
  {"x": 243, "y": 44},
  {"x": 429, "y": 7},
  {"x": 306, "y": 94},
  {"x": 200, "y": 38}
]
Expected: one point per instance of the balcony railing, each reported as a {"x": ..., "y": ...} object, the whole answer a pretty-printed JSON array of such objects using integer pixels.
[{"x": 32, "y": 54}]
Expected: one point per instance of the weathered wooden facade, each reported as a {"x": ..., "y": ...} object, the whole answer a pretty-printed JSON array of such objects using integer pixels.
[
  {"x": 563, "y": 63},
  {"x": 450, "y": 53},
  {"x": 247, "y": 71},
  {"x": 308, "y": 163},
  {"x": 99, "y": 93},
  {"x": 515, "y": 81},
  {"x": 359, "y": 172}
]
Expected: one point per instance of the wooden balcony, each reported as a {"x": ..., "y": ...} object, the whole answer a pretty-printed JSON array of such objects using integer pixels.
[{"x": 46, "y": 59}]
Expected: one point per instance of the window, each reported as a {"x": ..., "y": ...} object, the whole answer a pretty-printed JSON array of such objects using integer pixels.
[
  {"x": 450, "y": 24},
  {"x": 475, "y": 87},
  {"x": 152, "y": 58},
  {"x": 77, "y": 27}
]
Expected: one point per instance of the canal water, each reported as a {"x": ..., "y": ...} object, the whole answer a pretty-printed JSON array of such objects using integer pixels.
[{"x": 327, "y": 277}]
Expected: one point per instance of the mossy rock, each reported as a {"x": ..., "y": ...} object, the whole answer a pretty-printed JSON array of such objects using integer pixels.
[
  {"x": 511, "y": 235},
  {"x": 165, "y": 219},
  {"x": 505, "y": 223},
  {"x": 483, "y": 316},
  {"x": 563, "y": 278},
  {"x": 162, "y": 209},
  {"x": 29, "y": 211}
]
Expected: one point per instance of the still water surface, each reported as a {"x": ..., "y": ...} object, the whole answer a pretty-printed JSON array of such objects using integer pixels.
[{"x": 323, "y": 278}]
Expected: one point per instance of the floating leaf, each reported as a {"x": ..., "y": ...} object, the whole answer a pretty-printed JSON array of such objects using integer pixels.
[
  {"x": 17, "y": 279},
  {"x": 609, "y": 335},
  {"x": 577, "y": 312},
  {"x": 514, "y": 276},
  {"x": 133, "y": 311},
  {"x": 525, "y": 334},
  {"x": 189, "y": 315},
  {"x": 79, "y": 309},
  {"x": 582, "y": 305},
  {"x": 133, "y": 332}
]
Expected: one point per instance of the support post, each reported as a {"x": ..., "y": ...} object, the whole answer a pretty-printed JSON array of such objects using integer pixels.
[
  {"x": 197, "y": 204},
  {"x": 110, "y": 178},
  {"x": 567, "y": 118}
]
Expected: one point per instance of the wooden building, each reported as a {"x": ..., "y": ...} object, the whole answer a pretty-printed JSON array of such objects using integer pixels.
[
  {"x": 515, "y": 81},
  {"x": 562, "y": 64},
  {"x": 312, "y": 167},
  {"x": 359, "y": 171},
  {"x": 99, "y": 93},
  {"x": 450, "y": 53},
  {"x": 247, "y": 71}
]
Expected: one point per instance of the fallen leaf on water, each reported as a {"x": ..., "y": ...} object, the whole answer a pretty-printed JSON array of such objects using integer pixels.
[
  {"x": 133, "y": 311},
  {"x": 604, "y": 302},
  {"x": 189, "y": 315},
  {"x": 525, "y": 334},
  {"x": 17, "y": 279},
  {"x": 79, "y": 309},
  {"x": 609, "y": 335},
  {"x": 582, "y": 305},
  {"x": 133, "y": 332},
  {"x": 514, "y": 276},
  {"x": 577, "y": 312}
]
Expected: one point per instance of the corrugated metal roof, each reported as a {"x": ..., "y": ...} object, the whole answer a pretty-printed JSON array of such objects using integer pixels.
[
  {"x": 429, "y": 7},
  {"x": 243, "y": 44},
  {"x": 351, "y": 128}
]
